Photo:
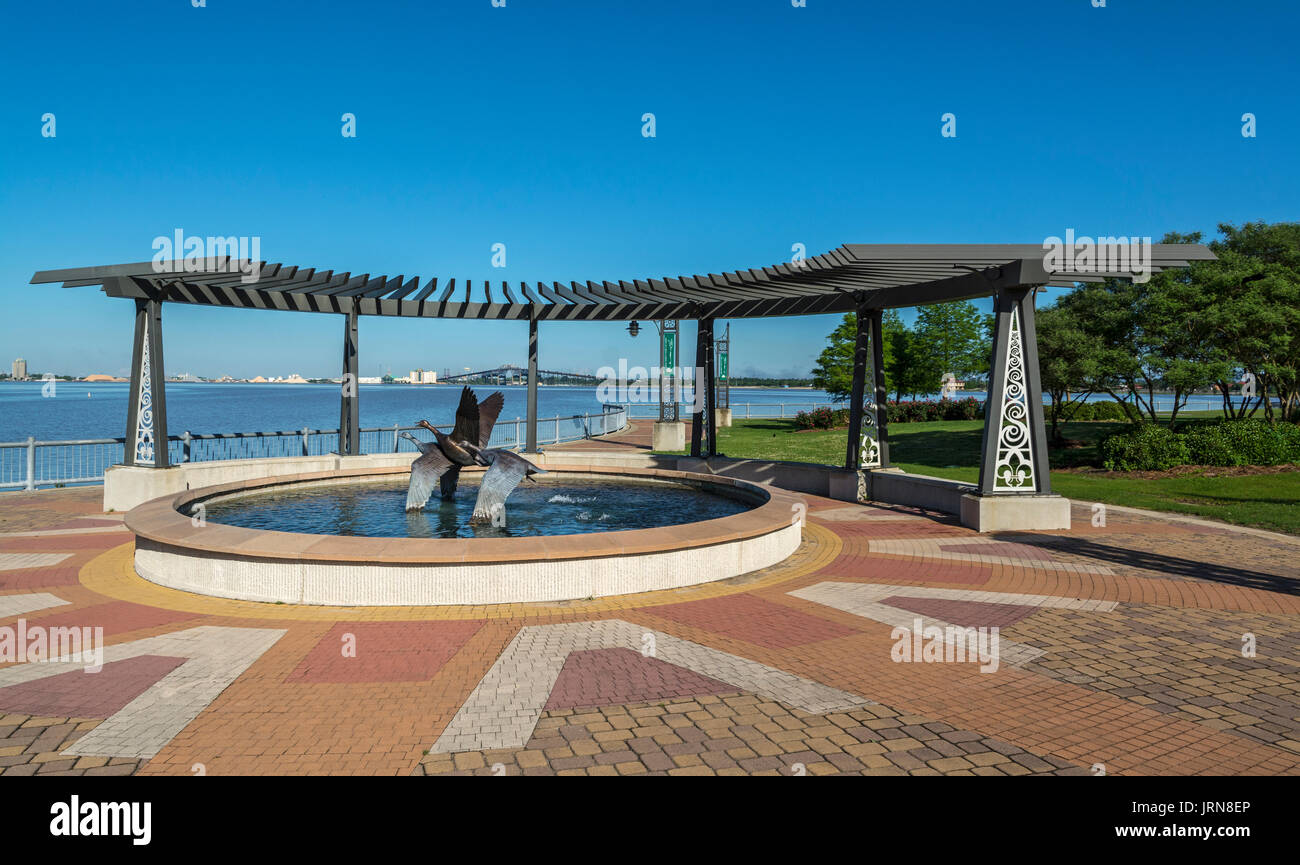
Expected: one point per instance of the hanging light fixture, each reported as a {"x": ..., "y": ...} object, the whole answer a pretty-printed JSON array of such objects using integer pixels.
[{"x": 634, "y": 328}]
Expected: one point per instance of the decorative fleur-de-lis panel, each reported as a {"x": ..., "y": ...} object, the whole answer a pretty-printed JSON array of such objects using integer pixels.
[
  {"x": 144, "y": 443},
  {"x": 869, "y": 449},
  {"x": 1014, "y": 469}
]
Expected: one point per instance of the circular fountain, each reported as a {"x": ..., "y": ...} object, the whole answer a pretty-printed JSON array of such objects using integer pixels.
[{"x": 343, "y": 538}]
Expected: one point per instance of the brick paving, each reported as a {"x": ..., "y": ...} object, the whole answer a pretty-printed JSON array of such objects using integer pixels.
[
  {"x": 1150, "y": 645},
  {"x": 34, "y": 745}
]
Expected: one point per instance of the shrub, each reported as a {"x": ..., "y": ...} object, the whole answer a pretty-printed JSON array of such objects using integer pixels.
[
  {"x": 1243, "y": 442},
  {"x": 968, "y": 408},
  {"x": 823, "y": 418},
  {"x": 917, "y": 411},
  {"x": 1143, "y": 447},
  {"x": 1107, "y": 410},
  {"x": 1207, "y": 445},
  {"x": 1082, "y": 411},
  {"x": 803, "y": 420}
]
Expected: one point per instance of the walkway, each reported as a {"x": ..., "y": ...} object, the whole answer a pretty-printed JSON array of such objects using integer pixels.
[{"x": 1120, "y": 651}]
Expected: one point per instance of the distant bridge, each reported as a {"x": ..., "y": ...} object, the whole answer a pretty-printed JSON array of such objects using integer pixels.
[{"x": 508, "y": 374}]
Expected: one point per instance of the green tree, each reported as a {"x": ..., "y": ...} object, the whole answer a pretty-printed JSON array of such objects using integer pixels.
[
  {"x": 912, "y": 368},
  {"x": 1254, "y": 289},
  {"x": 956, "y": 336},
  {"x": 1067, "y": 363},
  {"x": 834, "y": 370}
]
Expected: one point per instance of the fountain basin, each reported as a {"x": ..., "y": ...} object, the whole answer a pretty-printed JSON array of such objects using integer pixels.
[{"x": 178, "y": 549}]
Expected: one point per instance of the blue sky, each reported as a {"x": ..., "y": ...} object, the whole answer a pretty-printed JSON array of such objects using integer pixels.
[{"x": 522, "y": 125}]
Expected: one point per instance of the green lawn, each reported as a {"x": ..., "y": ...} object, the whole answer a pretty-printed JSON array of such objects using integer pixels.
[{"x": 951, "y": 449}]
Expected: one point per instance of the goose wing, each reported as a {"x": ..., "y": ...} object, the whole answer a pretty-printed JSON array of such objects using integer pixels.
[
  {"x": 449, "y": 480},
  {"x": 467, "y": 420},
  {"x": 488, "y": 410},
  {"x": 425, "y": 474},
  {"x": 499, "y": 481}
]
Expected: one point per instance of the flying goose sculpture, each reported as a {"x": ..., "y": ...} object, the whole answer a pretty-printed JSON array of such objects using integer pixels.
[
  {"x": 440, "y": 461},
  {"x": 505, "y": 470}
]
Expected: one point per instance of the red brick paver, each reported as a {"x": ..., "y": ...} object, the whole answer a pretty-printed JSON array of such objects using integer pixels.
[{"x": 1154, "y": 681}]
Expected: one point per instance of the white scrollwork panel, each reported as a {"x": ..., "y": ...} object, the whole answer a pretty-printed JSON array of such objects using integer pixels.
[
  {"x": 869, "y": 448},
  {"x": 144, "y": 443},
  {"x": 1014, "y": 470}
]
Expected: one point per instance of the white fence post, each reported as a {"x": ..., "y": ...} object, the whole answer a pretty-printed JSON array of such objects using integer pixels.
[{"x": 31, "y": 462}]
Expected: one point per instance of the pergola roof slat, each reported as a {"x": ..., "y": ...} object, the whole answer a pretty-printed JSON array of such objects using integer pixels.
[{"x": 880, "y": 275}]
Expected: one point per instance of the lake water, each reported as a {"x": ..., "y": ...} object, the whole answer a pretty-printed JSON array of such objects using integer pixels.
[
  {"x": 563, "y": 506},
  {"x": 78, "y": 410}
]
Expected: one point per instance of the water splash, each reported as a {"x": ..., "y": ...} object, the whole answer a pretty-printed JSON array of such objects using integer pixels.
[{"x": 562, "y": 499}]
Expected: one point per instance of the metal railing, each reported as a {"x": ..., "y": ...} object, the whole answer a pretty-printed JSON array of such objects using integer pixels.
[
  {"x": 1163, "y": 405},
  {"x": 31, "y": 464},
  {"x": 739, "y": 410}
]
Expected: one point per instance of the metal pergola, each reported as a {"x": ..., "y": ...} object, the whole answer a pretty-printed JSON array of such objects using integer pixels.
[{"x": 861, "y": 278}]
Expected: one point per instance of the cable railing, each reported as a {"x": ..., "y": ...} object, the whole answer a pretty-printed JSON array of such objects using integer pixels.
[
  {"x": 1163, "y": 404},
  {"x": 739, "y": 410},
  {"x": 32, "y": 464}
]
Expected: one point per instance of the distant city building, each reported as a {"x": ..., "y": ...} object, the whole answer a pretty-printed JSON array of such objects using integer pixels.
[
  {"x": 99, "y": 376},
  {"x": 423, "y": 376},
  {"x": 369, "y": 379},
  {"x": 20, "y": 369}
]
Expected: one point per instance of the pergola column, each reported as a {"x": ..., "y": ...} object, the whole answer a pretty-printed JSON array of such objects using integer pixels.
[
  {"x": 146, "y": 413},
  {"x": 531, "y": 423},
  {"x": 349, "y": 401},
  {"x": 880, "y": 403},
  {"x": 867, "y": 448},
  {"x": 703, "y": 421},
  {"x": 1014, "y": 455}
]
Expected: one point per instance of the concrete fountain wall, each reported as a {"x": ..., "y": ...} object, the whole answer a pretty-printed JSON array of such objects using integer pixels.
[{"x": 177, "y": 551}]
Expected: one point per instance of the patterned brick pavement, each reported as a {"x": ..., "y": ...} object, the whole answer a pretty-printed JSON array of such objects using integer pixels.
[{"x": 1151, "y": 645}]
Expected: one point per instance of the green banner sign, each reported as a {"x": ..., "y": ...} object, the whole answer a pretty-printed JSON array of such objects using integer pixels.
[
  {"x": 670, "y": 350},
  {"x": 722, "y": 366}
]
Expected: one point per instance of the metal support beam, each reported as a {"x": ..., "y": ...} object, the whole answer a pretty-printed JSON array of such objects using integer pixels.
[
  {"x": 857, "y": 391},
  {"x": 669, "y": 375},
  {"x": 349, "y": 400},
  {"x": 722, "y": 357},
  {"x": 867, "y": 448},
  {"x": 711, "y": 376},
  {"x": 704, "y": 430},
  {"x": 881, "y": 401},
  {"x": 146, "y": 414},
  {"x": 1034, "y": 393},
  {"x": 1014, "y": 453},
  {"x": 531, "y": 424},
  {"x": 703, "y": 405}
]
